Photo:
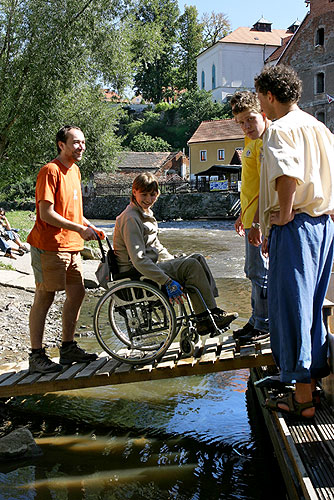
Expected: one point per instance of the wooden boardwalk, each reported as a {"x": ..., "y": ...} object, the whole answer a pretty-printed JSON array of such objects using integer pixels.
[
  {"x": 304, "y": 449},
  {"x": 217, "y": 354}
]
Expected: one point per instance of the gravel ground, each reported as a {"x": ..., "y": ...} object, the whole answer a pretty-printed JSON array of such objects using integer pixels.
[{"x": 15, "y": 306}]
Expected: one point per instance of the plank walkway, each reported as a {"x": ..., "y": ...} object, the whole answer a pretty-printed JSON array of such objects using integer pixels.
[
  {"x": 304, "y": 449},
  {"x": 217, "y": 354}
]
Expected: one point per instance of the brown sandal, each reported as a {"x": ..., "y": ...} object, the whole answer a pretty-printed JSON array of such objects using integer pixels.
[{"x": 295, "y": 409}]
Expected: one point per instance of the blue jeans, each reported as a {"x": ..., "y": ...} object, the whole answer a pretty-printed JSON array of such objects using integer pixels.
[
  {"x": 256, "y": 269},
  {"x": 4, "y": 245},
  {"x": 301, "y": 259}
]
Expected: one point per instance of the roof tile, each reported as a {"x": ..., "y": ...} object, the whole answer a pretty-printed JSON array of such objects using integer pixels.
[{"x": 217, "y": 130}]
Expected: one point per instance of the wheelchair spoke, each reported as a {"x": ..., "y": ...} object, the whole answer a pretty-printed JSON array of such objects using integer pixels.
[{"x": 134, "y": 322}]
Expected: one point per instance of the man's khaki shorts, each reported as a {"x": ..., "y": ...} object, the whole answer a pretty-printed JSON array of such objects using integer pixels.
[{"x": 54, "y": 270}]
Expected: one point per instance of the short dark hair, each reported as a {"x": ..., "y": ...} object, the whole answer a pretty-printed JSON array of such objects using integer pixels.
[
  {"x": 282, "y": 81},
  {"x": 245, "y": 101},
  {"x": 145, "y": 183},
  {"x": 63, "y": 133}
]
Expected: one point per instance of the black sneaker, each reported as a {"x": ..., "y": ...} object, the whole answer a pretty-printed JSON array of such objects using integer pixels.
[
  {"x": 245, "y": 330},
  {"x": 39, "y": 362},
  {"x": 222, "y": 319},
  {"x": 254, "y": 336},
  {"x": 72, "y": 353}
]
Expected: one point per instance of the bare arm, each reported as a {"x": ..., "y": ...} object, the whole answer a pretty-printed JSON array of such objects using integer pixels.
[
  {"x": 6, "y": 224},
  {"x": 286, "y": 190},
  {"x": 239, "y": 227},
  {"x": 255, "y": 234},
  {"x": 50, "y": 216}
]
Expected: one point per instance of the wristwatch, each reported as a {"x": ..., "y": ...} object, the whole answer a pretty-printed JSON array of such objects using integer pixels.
[{"x": 256, "y": 225}]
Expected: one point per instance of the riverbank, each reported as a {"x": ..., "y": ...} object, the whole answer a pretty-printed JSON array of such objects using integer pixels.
[
  {"x": 225, "y": 258},
  {"x": 17, "y": 288}
]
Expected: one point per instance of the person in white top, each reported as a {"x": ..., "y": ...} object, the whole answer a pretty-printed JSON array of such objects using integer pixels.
[{"x": 296, "y": 198}]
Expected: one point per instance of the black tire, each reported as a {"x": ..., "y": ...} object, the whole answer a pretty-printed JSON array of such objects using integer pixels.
[
  {"x": 187, "y": 346},
  {"x": 134, "y": 322}
]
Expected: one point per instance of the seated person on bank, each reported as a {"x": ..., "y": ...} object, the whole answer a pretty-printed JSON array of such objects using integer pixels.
[
  {"x": 10, "y": 234},
  {"x": 7, "y": 249},
  {"x": 136, "y": 245}
]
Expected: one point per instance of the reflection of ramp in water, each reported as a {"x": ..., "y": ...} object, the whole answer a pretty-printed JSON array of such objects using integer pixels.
[{"x": 218, "y": 354}]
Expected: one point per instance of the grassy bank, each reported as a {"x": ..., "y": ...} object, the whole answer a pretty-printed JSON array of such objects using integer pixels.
[{"x": 22, "y": 220}]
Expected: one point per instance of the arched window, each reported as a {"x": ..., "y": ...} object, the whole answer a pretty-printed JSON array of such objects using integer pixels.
[
  {"x": 320, "y": 36},
  {"x": 213, "y": 76},
  {"x": 203, "y": 80},
  {"x": 320, "y": 83}
]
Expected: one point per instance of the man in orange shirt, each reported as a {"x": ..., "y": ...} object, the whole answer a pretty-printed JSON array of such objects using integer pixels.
[{"x": 56, "y": 241}]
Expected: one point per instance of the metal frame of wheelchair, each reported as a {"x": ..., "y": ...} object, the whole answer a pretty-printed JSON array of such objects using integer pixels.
[{"x": 135, "y": 323}]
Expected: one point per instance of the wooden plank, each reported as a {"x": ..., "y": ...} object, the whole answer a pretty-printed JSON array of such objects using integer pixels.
[
  {"x": 189, "y": 362},
  {"x": 247, "y": 350},
  {"x": 145, "y": 368},
  {"x": 298, "y": 465},
  {"x": 15, "y": 378},
  {"x": 210, "y": 350},
  {"x": 114, "y": 372},
  {"x": 92, "y": 367},
  {"x": 314, "y": 456},
  {"x": 71, "y": 371},
  {"x": 125, "y": 374},
  {"x": 30, "y": 379},
  {"x": 4, "y": 376},
  {"x": 227, "y": 355},
  {"x": 123, "y": 368},
  {"x": 284, "y": 460},
  {"x": 109, "y": 367},
  {"x": 48, "y": 377}
]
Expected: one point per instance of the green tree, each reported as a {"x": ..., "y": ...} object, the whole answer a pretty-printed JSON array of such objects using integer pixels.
[
  {"x": 215, "y": 27},
  {"x": 197, "y": 106},
  {"x": 144, "y": 142},
  {"x": 51, "y": 53},
  {"x": 154, "y": 47},
  {"x": 190, "y": 43}
]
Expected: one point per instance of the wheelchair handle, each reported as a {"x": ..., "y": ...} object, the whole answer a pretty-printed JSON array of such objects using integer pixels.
[{"x": 103, "y": 253}]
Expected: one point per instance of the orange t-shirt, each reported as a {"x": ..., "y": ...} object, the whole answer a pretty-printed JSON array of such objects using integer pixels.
[{"x": 60, "y": 186}]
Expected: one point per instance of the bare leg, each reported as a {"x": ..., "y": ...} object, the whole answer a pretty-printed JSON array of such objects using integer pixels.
[
  {"x": 39, "y": 310},
  {"x": 71, "y": 310}
]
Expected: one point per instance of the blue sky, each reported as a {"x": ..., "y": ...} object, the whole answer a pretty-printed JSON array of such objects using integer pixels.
[{"x": 245, "y": 13}]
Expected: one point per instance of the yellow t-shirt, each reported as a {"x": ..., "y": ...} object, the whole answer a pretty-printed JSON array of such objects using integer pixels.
[{"x": 250, "y": 180}]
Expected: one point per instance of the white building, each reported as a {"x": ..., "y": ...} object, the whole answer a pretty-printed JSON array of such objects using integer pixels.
[{"x": 233, "y": 62}]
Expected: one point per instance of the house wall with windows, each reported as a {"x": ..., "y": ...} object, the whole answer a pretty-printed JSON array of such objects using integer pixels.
[
  {"x": 311, "y": 53},
  {"x": 212, "y": 150},
  {"x": 214, "y": 143}
]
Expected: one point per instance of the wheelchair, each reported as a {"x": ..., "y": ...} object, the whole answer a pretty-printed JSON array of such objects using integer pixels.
[{"x": 135, "y": 323}]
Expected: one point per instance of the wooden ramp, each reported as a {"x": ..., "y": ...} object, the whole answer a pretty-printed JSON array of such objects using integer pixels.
[
  {"x": 304, "y": 449},
  {"x": 217, "y": 354}
]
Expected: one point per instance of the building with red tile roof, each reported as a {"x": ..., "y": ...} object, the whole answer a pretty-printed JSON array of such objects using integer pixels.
[
  {"x": 214, "y": 143},
  {"x": 232, "y": 63}
]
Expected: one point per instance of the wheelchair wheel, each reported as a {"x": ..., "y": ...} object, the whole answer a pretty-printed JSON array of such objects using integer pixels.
[
  {"x": 187, "y": 345},
  {"x": 134, "y": 322}
]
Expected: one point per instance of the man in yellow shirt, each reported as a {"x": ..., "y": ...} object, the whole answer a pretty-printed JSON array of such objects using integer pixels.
[{"x": 247, "y": 112}]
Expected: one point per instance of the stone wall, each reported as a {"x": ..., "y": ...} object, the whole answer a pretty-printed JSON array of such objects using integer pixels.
[{"x": 169, "y": 206}]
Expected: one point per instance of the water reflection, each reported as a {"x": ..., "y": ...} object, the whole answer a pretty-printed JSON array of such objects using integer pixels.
[{"x": 198, "y": 438}]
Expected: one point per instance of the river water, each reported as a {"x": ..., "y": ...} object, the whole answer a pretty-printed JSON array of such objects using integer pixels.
[{"x": 192, "y": 438}]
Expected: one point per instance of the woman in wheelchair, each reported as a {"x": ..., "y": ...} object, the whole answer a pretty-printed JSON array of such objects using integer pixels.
[{"x": 137, "y": 246}]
